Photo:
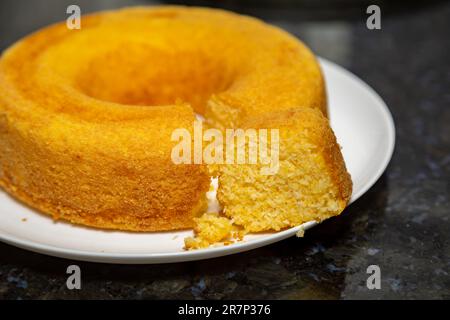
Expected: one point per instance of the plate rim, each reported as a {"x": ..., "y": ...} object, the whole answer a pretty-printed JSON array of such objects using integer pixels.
[{"x": 207, "y": 253}]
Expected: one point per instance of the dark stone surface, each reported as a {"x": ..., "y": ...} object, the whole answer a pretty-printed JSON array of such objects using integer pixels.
[{"x": 401, "y": 224}]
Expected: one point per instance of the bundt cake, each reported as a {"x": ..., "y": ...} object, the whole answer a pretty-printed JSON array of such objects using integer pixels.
[{"x": 86, "y": 118}]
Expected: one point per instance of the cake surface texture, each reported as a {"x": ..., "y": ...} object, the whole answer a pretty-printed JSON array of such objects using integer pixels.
[{"x": 86, "y": 118}]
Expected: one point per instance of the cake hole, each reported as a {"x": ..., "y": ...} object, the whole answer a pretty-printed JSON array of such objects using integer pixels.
[{"x": 137, "y": 74}]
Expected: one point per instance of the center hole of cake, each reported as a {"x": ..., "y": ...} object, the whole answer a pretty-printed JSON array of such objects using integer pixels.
[{"x": 141, "y": 75}]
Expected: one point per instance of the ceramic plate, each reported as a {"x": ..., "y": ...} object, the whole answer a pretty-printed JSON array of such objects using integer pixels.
[{"x": 363, "y": 126}]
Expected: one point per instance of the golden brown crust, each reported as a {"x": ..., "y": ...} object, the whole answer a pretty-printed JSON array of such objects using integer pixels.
[{"x": 98, "y": 188}]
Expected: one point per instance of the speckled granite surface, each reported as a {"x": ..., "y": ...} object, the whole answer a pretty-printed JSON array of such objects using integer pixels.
[{"x": 402, "y": 224}]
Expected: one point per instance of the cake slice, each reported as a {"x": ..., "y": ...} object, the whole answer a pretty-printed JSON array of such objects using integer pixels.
[{"x": 311, "y": 182}]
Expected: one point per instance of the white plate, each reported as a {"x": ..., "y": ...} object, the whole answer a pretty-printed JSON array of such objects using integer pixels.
[{"x": 361, "y": 122}]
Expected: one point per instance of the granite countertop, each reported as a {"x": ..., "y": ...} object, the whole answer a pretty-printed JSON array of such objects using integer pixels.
[{"x": 401, "y": 224}]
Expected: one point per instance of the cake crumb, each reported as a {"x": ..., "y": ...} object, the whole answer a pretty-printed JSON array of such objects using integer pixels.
[
  {"x": 211, "y": 228},
  {"x": 24, "y": 219},
  {"x": 301, "y": 232}
]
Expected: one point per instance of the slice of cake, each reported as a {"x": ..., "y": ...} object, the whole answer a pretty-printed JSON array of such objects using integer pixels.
[{"x": 309, "y": 182}]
